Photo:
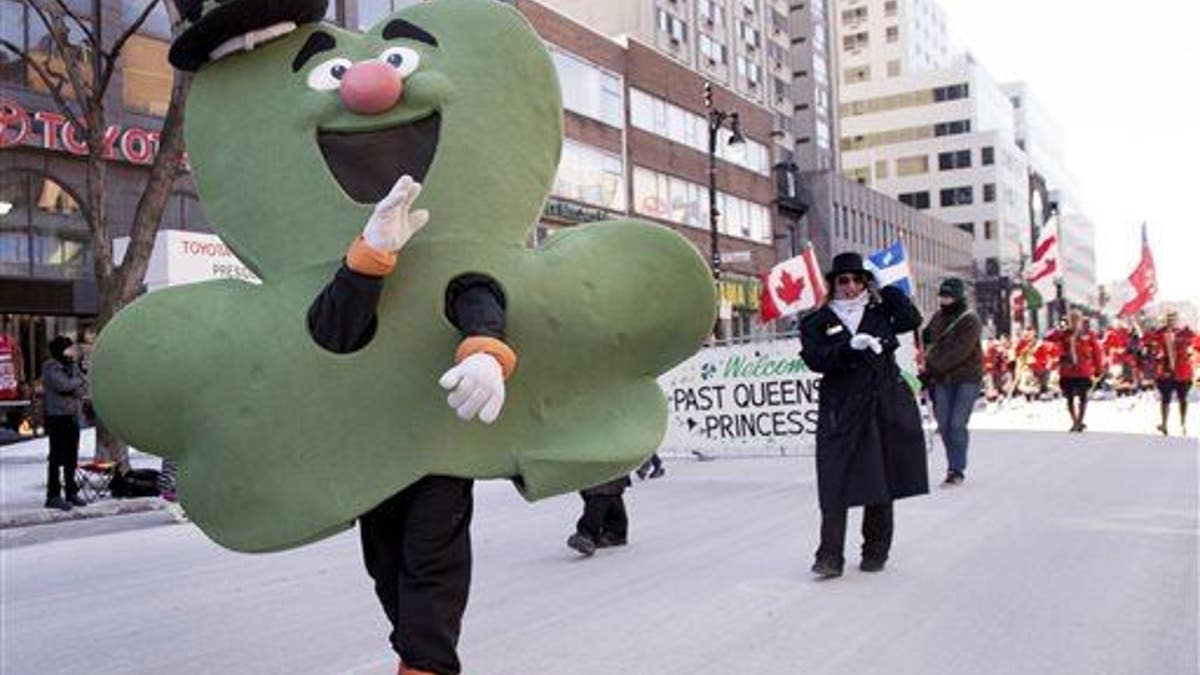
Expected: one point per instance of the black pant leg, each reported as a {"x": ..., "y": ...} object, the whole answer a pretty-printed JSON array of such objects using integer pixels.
[
  {"x": 71, "y": 457},
  {"x": 833, "y": 536},
  {"x": 436, "y": 573},
  {"x": 616, "y": 520},
  {"x": 878, "y": 523},
  {"x": 417, "y": 549},
  {"x": 58, "y": 430},
  {"x": 591, "y": 523}
]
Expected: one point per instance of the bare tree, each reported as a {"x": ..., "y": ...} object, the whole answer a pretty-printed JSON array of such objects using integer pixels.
[{"x": 77, "y": 71}]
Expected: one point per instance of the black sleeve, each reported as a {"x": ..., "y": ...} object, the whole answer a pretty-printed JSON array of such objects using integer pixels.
[
  {"x": 902, "y": 313},
  {"x": 822, "y": 353},
  {"x": 342, "y": 318},
  {"x": 475, "y": 305}
]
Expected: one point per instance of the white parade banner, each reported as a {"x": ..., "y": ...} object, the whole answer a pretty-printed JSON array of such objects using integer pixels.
[
  {"x": 749, "y": 399},
  {"x": 744, "y": 399}
]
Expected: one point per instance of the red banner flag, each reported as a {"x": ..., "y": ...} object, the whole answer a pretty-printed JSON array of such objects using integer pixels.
[{"x": 1144, "y": 280}]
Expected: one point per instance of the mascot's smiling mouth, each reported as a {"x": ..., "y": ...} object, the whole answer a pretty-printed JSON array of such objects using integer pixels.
[{"x": 368, "y": 163}]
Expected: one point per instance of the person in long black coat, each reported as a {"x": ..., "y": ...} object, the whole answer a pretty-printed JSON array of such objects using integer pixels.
[{"x": 870, "y": 444}]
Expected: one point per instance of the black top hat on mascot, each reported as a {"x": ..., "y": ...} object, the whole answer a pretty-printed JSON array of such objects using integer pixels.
[
  {"x": 847, "y": 263},
  {"x": 207, "y": 24}
]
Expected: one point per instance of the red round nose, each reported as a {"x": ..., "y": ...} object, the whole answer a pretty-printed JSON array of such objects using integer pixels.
[{"x": 371, "y": 87}]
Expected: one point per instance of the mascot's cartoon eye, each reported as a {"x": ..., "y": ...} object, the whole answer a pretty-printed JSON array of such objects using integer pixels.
[
  {"x": 328, "y": 75},
  {"x": 403, "y": 59}
]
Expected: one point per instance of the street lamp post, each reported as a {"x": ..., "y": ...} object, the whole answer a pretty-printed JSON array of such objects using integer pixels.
[{"x": 717, "y": 120}]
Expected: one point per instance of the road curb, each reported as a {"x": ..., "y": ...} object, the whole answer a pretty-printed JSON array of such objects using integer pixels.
[{"x": 101, "y": 509}]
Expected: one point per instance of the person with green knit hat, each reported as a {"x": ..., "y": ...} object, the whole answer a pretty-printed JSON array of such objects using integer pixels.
[{"x": 953, "y": 366}]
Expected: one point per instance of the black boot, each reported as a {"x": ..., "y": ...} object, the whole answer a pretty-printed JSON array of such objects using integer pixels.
[
  {"x": 582, "y": 543},
  {"x": 826, "y": 568}
]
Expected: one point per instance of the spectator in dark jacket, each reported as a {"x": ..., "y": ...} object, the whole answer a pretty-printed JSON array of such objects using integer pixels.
[
  {"x": 604, "y": 522},
  {"x": 954, "y": 370},
  {"x": 64, "y": 388}
]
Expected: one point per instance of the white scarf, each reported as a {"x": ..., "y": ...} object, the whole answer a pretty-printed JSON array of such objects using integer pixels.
[{"x": 851, "y": 311}]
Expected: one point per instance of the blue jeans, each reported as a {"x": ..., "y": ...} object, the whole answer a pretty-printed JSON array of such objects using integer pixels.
[{"x": 952, "y": 405}]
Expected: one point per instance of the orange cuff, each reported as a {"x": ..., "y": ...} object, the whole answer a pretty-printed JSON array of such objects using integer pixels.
[
  {"x": 364, "y": 259},
  {"x": 490, "y": 346}
]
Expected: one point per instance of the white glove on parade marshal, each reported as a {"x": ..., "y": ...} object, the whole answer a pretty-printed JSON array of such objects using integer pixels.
[
  {"x": 477, "y": 385},
  {"x": 866, "y": 341},
  {"x": 392, "y": 224}
]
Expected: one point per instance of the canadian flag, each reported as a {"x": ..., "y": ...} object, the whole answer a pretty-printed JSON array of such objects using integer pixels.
[{"x": 792, "y": 286}]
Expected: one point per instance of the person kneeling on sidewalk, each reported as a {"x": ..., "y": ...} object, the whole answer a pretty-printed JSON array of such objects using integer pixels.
[{"x": 604, "y": 522}]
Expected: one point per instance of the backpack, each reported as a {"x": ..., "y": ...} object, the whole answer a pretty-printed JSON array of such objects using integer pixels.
[{"x": 135, "y": 483}]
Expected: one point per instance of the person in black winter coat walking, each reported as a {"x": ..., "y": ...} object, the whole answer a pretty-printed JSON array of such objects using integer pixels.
[
  {"x": 870, "y": 445},
  {"x": 64, "y": 388}
]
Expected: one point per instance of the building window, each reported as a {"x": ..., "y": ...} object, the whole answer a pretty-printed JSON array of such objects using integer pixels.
[
  {"x": 749, "y": 35},
  {"x": 890, "y": 8},
  {"x": 911, "y": 166},
  {"x": 588, "y": 90},
  {"x": 969, "y": 228},
  {"x": 371, "y": 11},
  {"x": 146, "y": 76},
  {"x": 586, "y": 174},
  {"x": 861, "y": 175},
  {"x": 20, "y": 25},
  {"x": 951, "y": 93},
  {"x": 988, "y": 156},
  {"x": 893, "y": 68},
  {"x": 781, "y": 90},
  {"x": 952, "y": 128},
  {"x": 989, "y": 229},
  {"x": 881, "y": 169},
  {"x": 669, "y": 198},
  {"x": 958, "y": 196},
  {"x": 917, "y": 200},
  {"x": 673, "y": 26},
  {"x": 958, "y": 159},
  {"x": 749, "y": 7},
  {"x": 669, "y": 121},
  {"x": 712, "y": 14},
  {"x": 893, "y": 34},
  {"x": 854, "y": 15},
  {"x": 751, "y": 72},
  {"x": 859, "y": 74},
  {"x": 855, "y": 41},
  {"x": 989, "y": 192},
  {"x": 42, "y": 233},
  {"x": 714, "y": 51}
]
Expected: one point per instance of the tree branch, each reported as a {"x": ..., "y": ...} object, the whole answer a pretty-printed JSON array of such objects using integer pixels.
[
  {"x": 87, "y": 32},
  {"x": 112, "y": 55},
  {"x": 57, "y": 29}
]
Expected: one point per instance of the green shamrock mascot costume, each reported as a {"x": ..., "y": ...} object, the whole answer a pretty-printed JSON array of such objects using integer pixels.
[{"x": 383, "y": 185}]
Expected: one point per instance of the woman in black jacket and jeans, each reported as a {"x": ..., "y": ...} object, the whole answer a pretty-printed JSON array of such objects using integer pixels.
[{"x": 870, "y": 445}]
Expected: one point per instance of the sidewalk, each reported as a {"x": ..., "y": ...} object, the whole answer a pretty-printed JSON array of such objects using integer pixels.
[{"x": 23, "y": 486}]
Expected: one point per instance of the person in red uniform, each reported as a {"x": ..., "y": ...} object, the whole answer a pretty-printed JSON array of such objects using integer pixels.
[
  {"x": 1120, "y": 359},
  {"x": 993, "y": 375},
  {"x": 1171, "y": 346},
  {"x": 1044, "y": 358},
  {"x": 1081, "y": 362}
]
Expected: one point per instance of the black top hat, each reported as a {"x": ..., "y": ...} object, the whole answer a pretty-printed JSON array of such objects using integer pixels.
[
  {"x": 847, "y": 263},
  {"x": 209, "y": 23}
]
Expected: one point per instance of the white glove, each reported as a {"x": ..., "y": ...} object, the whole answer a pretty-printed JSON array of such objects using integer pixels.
[
  {"x": 392, "y": 225},
  {"x": 478, "y": 388},
  {"x": 863, "y": 341}
]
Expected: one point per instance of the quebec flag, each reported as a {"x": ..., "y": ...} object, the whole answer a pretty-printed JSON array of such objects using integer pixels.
[{"x": 891, "y": 267}]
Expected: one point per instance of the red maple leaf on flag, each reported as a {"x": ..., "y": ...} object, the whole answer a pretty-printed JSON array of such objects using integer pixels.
[{"x": 790, "y": 289}]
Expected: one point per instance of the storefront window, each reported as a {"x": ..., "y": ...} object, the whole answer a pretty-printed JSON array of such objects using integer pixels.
[
  {"x": 677, "y": 200},
  {"x": 21, "y": 26},
  {"x": 588, "y": 90},
  {"x": 588, "y": 175},
  {"x": 42, "y": 233}
]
